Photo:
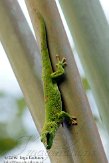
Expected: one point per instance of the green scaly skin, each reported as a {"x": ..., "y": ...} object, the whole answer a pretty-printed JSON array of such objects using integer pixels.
[{"x": 52, "y": 97}]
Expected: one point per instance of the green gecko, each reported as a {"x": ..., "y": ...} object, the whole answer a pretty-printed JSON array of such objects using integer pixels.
[{"x": 54, "y": 116}]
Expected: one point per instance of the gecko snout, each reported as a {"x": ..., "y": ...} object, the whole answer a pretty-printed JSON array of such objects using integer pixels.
[{"x": 47, "y": 139}]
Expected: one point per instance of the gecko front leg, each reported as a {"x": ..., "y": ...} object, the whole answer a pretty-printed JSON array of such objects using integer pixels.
[{"x": 60, "y": 68}]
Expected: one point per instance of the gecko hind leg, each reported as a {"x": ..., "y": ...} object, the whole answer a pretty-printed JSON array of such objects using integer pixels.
[
  {"x": 70, "y": 120},
  {"x": 60, "y": 68}
]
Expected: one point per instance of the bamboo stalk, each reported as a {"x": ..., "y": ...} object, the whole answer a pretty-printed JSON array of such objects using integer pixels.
[
  {"x": 22, "y": 51},
  {"x": 90, "y": 31}
]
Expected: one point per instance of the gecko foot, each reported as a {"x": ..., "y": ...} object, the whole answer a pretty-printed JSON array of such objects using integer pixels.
[
  {"x": 74, "y": 121},
  {"x": 71, "y": 121},
  {"x": 58, "y": 57},
  {"x": 62, "y": 62}
]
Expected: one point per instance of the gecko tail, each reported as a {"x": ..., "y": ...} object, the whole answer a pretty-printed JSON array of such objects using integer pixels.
[{"x": 43, "y": 32}]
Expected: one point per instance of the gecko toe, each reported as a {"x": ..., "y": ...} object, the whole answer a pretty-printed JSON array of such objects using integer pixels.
[
  {"x": 74, "y": 118},
  {"x": 74, "y": 122}
]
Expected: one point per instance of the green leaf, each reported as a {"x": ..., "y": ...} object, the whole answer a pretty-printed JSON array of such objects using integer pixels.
[{"x": 6, "y": 144}]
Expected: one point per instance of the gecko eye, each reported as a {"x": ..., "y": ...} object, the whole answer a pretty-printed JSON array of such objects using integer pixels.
[{"x": 49, "y": 137}]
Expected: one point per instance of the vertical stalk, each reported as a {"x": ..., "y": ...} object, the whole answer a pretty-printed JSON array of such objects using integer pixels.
[{"x": 90, "y": 31}]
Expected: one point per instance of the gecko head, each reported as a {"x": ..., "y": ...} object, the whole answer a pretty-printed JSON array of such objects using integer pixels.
[
  {"x": 47, "y": 139},
  {"x": 48, "y": 134}
]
